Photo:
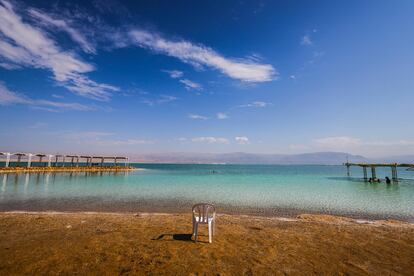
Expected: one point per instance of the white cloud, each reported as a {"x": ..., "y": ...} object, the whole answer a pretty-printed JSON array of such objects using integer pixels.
[
  {"x": 190, "y": 85},
  {"x": 256, "y": 104},
  {"x": 197, "y": 117},
  {"x": 24, "y": 45},
  {"x": 199, "y": 55},
  {"x": 63, "y": 25},
  {"x": 338, "y": 142},
  {"x": 242, "y": 140},
  {"x": 8, "y": 97},
  {"x": 174, "y": 74},
  {"x": 222, "y": 116},
  {"x": 210, "y": 140},
  {"x": 306, "y": 40}
]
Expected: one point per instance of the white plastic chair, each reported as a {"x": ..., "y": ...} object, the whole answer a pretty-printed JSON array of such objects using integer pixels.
[{"x": 204, "y": 213}]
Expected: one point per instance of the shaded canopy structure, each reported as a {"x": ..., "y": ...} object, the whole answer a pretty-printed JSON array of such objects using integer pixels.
[{"x": 61, "y": 160}]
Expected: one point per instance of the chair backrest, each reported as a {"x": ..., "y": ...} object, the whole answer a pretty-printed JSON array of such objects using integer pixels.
[{"x": 204, "y": 211}]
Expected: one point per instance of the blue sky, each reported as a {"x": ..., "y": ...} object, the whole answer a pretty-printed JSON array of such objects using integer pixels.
[{"x": 181, "y": 76}]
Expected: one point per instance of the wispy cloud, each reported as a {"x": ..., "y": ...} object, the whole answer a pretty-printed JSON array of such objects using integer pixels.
[
  {"x": 242, "y": 140},
  {"x": 199, "y": 55},
  {"x": 174, "y": 74},
  {"x": 63, "y": 25},
  {"x": 222, "y": 116},
  {"x": 25, "y": 45},
  {"x": 161, "y": 99},
  {"x": 338, "y": 141},
  {"x": 306, "y": 40},
  {"x": 38, "y": 125},
  {"x": 197, "y": 117},
  {"x": 99, "y": 138},
  {"x": 190, "y": 85},
  {"x": 8, "y": 97},
  {"x": 210, "y": 140},
  {"x": 256, "y": 104}
]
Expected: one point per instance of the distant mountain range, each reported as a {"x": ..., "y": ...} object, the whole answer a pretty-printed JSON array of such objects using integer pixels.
[{"x": 325, "y": 158}]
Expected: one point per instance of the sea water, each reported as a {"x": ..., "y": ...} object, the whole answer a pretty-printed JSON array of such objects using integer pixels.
[{"x": 249, "y": 188}]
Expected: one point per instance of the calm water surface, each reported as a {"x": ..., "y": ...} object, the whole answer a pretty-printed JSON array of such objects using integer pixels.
[{"x": 245, "y": 188}]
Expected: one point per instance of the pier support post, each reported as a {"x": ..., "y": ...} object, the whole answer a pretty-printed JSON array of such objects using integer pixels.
[
  {"x": 63, "y": 161},
  {"x": 394, "y": 173},
  {"x": 19, "y": 158},
  {"x": 347, "y": 170},
  {"x": 49, "y": 160},
  {"x": 29, "y": 160},
  {"x": 7, "y": 159},
  {"x": 365, "y": 173},
  {"x": 374, "y": 175},
  {"x": 77, "y": 161}
]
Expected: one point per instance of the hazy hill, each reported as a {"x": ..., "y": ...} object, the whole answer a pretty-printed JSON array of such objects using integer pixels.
[{"x": 327, "y": 158}]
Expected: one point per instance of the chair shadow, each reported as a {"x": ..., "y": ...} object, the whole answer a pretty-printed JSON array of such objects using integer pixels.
[{"x": 176, "y": 237}]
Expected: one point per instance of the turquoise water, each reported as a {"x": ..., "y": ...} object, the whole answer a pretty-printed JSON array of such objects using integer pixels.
[{"x": 244, "y": 188}]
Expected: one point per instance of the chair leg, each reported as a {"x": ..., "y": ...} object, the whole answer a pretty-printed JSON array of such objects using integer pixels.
[
  {"x": 210, "y": 233},
  {"x": 195, "y": 232},
  {"x": 193, "y": 229},
  {"x": 214, "y": 227}
]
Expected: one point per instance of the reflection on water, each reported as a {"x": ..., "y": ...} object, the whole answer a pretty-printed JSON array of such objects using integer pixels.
[{"x": 314, "y": 188}]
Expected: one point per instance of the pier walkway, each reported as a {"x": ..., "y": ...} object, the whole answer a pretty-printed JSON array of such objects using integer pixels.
[{"x": 373, "y": 166}]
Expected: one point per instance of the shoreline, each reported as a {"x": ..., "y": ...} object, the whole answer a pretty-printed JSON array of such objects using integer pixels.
[
  {"x": 313, "y": 217},
  {"x": 174, "y": 206}
]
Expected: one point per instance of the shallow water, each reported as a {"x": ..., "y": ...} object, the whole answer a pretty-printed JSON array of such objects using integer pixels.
[{"x": 255, "y": 188}]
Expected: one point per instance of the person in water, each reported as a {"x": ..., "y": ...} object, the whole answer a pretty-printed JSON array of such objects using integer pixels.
[{"x": 387, "y": 180}]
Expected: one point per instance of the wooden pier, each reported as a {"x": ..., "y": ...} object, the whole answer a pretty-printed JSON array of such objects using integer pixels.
[{"x": 373, "y": 166}]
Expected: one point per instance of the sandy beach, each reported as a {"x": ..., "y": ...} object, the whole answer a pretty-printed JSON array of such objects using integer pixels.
[{"x": 160, "y": 244}]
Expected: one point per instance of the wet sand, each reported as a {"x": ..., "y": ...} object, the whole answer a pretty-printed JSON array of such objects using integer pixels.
[{"x": 160, "y": 244}]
